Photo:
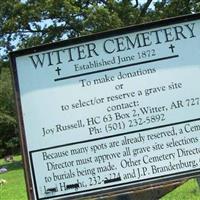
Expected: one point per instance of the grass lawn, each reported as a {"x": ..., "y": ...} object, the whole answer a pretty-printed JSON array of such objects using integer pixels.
[
  {"x": 187, "y": 191},
  {"x": 14, "y": 189}
]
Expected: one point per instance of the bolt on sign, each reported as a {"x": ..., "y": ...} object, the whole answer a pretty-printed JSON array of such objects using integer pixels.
[{"x": 112, "y": 111}]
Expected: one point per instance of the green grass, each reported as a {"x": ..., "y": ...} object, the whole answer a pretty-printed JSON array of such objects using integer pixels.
[{"x": 15, "y": 187}]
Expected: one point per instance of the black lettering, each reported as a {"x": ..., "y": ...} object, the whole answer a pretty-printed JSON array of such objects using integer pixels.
[
  {"x": 157, "y": 36},
  {"x": 106, "y": 46},
  {"x": 191, "y": 29},
  {"x": 179, "y": 33},
  {"x": 91, "y": 49},
  {"x": 120, "y": 44},
  {"x": 130, "y": 43},
  {"x": 146, "y": 39},
  {"x": 38, "y": 60},
  {"x": 49, "y": 58},
  {"x": 168, "y": 35},
  {"x": 58, "y": 56}
]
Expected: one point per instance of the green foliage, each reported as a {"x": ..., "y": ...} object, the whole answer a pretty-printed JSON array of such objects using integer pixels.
[
  {"x": 188, "y": 191},
  {"x": 9, "y": 142},
  {"x": 6, "y": 91},
  {"x": 14, "y": 189},
  {"x": 172, "y": 8}
]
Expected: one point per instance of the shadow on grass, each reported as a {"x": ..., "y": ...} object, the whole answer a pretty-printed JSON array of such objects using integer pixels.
[{"x": 14, "y": 165}]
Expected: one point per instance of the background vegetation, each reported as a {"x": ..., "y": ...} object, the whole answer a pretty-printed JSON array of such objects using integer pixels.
[
  {"x": 14, "y": 188},
  {"x": 26, "y": 23}
]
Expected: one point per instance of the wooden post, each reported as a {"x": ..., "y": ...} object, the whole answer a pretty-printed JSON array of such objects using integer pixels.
[{"x": 148, "y": 193}]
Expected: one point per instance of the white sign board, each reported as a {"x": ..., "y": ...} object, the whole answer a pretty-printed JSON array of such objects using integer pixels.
[{"x": 111, "y": 111}]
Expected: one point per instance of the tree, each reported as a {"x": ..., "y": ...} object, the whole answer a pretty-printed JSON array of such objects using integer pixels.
[
  {"x": 41, "y": 21},
  {"x": 33, "y": 22}
]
